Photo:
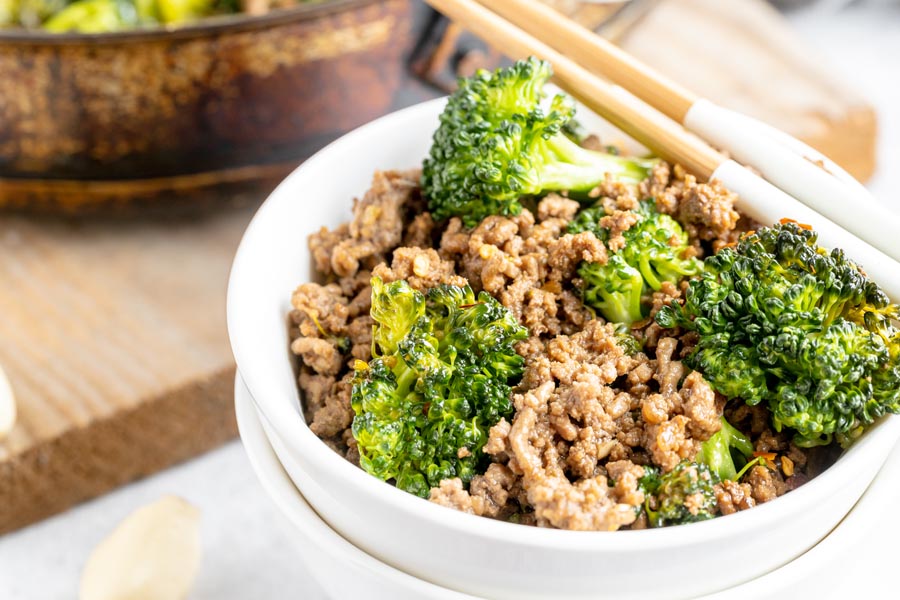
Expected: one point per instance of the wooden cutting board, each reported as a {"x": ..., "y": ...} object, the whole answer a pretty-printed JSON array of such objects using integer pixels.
[
  {"x": 113, "y": 333},
  {"x": 744, "y": 55},
  {"x": 113, "y": 337}
]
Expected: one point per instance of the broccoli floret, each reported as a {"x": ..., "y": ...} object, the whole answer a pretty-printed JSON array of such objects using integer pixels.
[
  {"x": 654, "y": 252},
  {"x": 30, "y": 13},
  {"x": 496, "y": 143},
  {"x": 686, "y": 494},
  {"x": 613, "y": 289},
  {"x": 649, "y": 482},
  {"x": 9, "y": 12},
  {"x": 101, "y": 16},
  {"x": 783, "y": 321},
  {"x": 626, "y": 340},
  {"x": 395, "y": 310},
  {"x": 683, "y": 495},
  {"x": 717, "y": 452},
  {"x": 93, "y": 16},
  {"x": 439, "y": 380},
  {"x": 180, "y": 11}
]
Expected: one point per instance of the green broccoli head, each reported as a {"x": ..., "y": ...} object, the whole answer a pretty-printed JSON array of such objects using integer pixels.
[
  {"x": 654, "y": 252},
  {"x": 783, "y": 321},
  {"x": 627, "y": 341},
  {"x": 613, "y": 289},
  {"x": 718, "y": 451},
  {"x": 29, "y": 13},
  {"x": 395, "y": 310},
  {"x": 496, "y": 143},
  {"x": 441, "y": 378},
  {"x": 683, "y": 495},
  {"x": 93, "y": 16}
]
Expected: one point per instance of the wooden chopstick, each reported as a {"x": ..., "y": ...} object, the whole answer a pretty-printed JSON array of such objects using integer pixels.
[
  {"x": 596, "y": 54},
  {"x": 645, "y": 124}
]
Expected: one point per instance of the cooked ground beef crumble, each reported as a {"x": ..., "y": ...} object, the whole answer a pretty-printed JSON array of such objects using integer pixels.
[{"x": 588, "y": 415}]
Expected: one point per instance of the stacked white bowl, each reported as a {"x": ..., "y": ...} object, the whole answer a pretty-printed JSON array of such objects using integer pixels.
[
  {"x": 345, "y": 571},
  {"x": 460, "y": 551}
]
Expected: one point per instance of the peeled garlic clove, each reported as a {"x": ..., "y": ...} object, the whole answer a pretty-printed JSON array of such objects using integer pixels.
[
  {"x": 154, "y": 554},
  {"x": 7, "y": 406}
]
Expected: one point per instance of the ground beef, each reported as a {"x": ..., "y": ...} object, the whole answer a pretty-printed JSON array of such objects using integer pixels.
[
  {"x": 700, "y": 407},
  {"x": 669, "y": 442},
  {"x": 333, "y": 415},
  {"x": 325, "y": 332},
  {"x": 323, "y": 356},
  {"x": 555, "y": 206},
  {"x": 668, "y": 293},
  {"x": 376, "y": 228},
  {"x": 705, "y": 210},
  {"x": 497, "y": 444},
  {"x": 419, "y": 231},
  {"x": 319, "y": 308},
  {"x": 422, "y": 268},
  {"x": 618, "y": 222},
  {"x": 526, "y": 264},
  {"x": 766, "y": 484},
  {"x": 496, "y": 494},
  {"x": 359, "y": 332},
  {"x": 567, "y": 252},
  {"x": 316, "y": 390},
  {"x": 732, "y": 497},
  {"x": 452, "y": 494},
  {"x": 588, "y": 415},
  {"x": 588, "y": 504},
  {"x": 575, "y": 426},
  {"x": 762, "y": 485}
]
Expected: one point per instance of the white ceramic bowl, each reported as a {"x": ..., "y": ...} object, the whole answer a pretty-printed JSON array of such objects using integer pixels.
[
  {"x": 472, "y": 554},
  {"x": 339, "y": 567},
  {"x": 345, "y": 571}
]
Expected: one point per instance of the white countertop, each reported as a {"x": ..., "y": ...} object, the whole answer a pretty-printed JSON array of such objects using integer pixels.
[{"x": 246, "y": 549}]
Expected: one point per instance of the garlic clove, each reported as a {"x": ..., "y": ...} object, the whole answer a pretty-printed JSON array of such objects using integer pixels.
[{"x": 154, "y": 554}]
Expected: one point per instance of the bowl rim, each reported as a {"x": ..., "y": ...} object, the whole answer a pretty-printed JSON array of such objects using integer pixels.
[
  {"x": 294, "y": 506},
  {"x": 277, "y": 483},
  {"x": 289, "y": 424},
  {"x": 203, "y": 27}
]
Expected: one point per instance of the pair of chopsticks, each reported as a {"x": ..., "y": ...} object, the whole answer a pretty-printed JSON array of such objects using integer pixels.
[{"x": 658, "y": 113}]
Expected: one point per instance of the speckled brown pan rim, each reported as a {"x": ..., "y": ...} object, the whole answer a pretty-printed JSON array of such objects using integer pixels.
[
  {"x": 94, "y": 194},
  {"x": 202, "y": 28},
  {"x": 149, "y": 184}
]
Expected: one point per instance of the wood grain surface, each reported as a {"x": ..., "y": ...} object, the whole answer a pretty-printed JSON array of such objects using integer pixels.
[
  {"x": 113, "y": 337},
  {"x": 745, "y": 56}
]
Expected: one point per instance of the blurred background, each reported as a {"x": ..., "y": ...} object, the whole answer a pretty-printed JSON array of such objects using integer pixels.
[{"x": 138, "y": 137}]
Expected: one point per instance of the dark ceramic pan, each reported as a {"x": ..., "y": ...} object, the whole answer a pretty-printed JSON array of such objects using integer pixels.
[{"x": 223, "y": 106}]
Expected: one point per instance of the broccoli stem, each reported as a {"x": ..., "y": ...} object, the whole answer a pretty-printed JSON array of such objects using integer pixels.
[
  {"x": 716, "y": 451},
  {"x": 568, "y": 166},
  {"x": 759, "y": 461},
  {"x": 406, "y": 377},
  {"x": 649, "y": 273},
  {"x": 624, "y": 308}
]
